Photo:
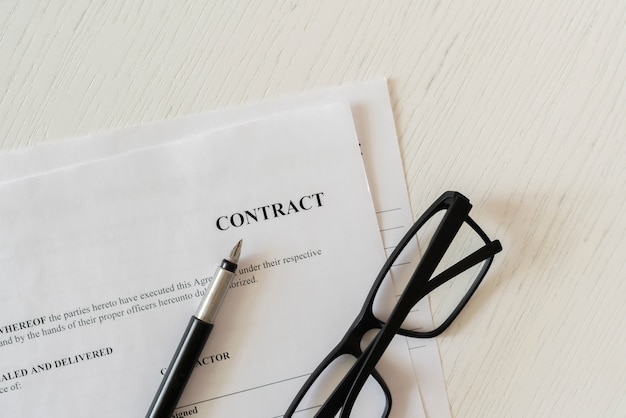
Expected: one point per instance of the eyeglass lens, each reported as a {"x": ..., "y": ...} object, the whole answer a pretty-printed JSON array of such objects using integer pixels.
[{"x": 443, "y": 299}]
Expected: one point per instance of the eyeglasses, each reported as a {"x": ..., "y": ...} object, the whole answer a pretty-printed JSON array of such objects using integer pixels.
[{"x": 454, "y": 256}]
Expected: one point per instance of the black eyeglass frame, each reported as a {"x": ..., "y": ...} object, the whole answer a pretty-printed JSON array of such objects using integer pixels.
[{"x": 342, "y": 399}]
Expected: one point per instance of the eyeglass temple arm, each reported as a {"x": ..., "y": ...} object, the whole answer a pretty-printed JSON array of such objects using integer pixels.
[
  {"x": 449, "y": 227},
  {"x": 478, "y": 256}
]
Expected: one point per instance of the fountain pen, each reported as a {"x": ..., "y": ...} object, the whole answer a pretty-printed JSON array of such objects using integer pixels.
[{"x": 194, "y": 339}]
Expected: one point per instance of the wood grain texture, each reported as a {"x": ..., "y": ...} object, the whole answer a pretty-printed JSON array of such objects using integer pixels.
[{"x": 519, "y": 105}]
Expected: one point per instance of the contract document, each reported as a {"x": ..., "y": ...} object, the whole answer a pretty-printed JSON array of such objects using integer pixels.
[
  {"x": 374, "y": 122},
  {"x": 102, "y": 263}
]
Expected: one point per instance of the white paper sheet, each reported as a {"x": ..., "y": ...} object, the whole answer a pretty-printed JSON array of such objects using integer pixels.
[
  {"x": 376, "y": 132},
  {"x": 103, "y": 263}
]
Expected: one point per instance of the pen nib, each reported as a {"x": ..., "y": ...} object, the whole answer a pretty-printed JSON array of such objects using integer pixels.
[{"x": 235, "y": 252}]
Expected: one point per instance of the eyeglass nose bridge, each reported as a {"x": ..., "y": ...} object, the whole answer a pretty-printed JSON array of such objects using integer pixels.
[
  {"x": 342, "y": 392},
  {"x": 364, "y": 323}
]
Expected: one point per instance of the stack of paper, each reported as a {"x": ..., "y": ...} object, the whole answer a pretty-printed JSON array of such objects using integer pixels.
[{"x": 106, "y": 245}]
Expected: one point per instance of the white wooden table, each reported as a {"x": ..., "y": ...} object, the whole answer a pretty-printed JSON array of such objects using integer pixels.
[{"x": 519, "y": 105}]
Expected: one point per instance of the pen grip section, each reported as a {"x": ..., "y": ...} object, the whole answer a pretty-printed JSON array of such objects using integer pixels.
[{"x": 180, "y": 368}]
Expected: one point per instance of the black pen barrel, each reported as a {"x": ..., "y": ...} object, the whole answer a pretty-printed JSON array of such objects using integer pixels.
[{"x": 180, "y": 368}]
